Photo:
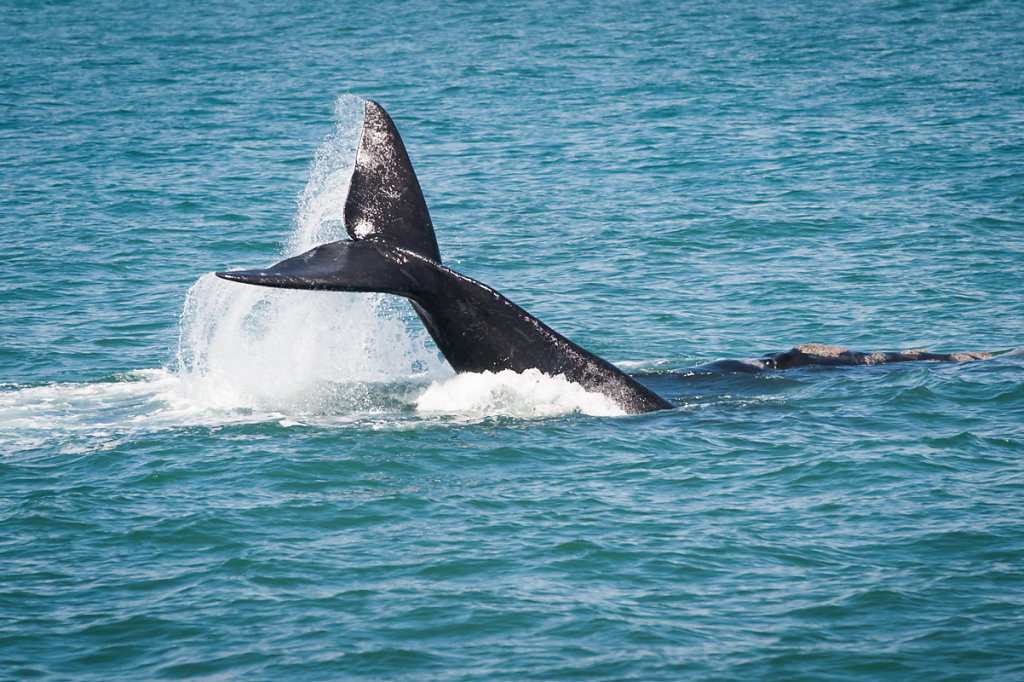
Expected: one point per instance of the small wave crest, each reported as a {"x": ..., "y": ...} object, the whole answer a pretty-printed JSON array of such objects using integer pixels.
[{"x": 528, "y": 395}]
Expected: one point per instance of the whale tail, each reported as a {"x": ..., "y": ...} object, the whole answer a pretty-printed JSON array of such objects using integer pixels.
[
  {"x": 385, "y": 203},
  {"x": 384, "y": 211},
  {"x": 394, "y": 250}
]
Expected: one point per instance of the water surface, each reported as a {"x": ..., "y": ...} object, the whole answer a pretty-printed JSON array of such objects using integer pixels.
[{"x": 204, "y": 480}]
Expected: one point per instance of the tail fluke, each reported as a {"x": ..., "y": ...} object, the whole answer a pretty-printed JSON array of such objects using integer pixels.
[
  {"x": 386, "y": 215},
  {"x": 385, "y": 203},
  {"x": 394, "y": 251},
  {"x": 343, "y": 266}
]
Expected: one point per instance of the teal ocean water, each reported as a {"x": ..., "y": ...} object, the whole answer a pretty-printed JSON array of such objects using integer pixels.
[{"x": 204, "y": 480}]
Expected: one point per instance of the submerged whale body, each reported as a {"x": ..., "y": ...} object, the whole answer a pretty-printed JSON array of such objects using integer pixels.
[
  {"x": 393, "y": 250},
  {"x": 817, "y": 354}
]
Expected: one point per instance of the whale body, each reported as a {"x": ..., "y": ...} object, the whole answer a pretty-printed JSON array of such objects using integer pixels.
[{"x": 394, "y": 250}]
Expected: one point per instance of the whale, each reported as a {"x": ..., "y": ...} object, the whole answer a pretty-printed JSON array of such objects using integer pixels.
[
  {"x": 824, "y": 355},
  {"x": 393, "y": 250}
]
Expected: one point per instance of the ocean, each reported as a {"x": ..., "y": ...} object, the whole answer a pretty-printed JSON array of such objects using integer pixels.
[{"x": 205, "y": 480}]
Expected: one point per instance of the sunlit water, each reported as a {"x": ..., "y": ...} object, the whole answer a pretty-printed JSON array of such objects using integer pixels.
[{"x": 202, "y": 479}]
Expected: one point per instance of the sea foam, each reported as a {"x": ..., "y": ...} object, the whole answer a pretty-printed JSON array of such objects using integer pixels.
[{"x": 527, "y": 395}]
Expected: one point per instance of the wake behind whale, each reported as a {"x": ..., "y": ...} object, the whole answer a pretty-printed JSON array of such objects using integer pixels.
[{"x": 393, "y": 249}]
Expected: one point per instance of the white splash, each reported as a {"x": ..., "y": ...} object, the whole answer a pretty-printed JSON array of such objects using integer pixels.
[
  {"x": 294, "y": 351},
  {"x": 528, "y": 395},
  {"x": 242, "y": 346},
  {"x": 321, "y": 216}
]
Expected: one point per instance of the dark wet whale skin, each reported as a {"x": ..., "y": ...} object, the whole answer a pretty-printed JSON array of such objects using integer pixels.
[{"x": 394, "y": 250}]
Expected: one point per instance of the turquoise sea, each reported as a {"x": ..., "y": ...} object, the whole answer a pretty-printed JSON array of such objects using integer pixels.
[{"x": 204, "y": 480}]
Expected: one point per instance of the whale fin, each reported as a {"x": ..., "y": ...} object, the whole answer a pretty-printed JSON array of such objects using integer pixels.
[
  {"x": 385, "y": 202},
  {"x": 343, "y": 266}
]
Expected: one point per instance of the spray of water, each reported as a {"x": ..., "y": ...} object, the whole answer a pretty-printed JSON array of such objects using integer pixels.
[
  {"x": 298, "y": 351},
  {"x": 322, "y": 202}
]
